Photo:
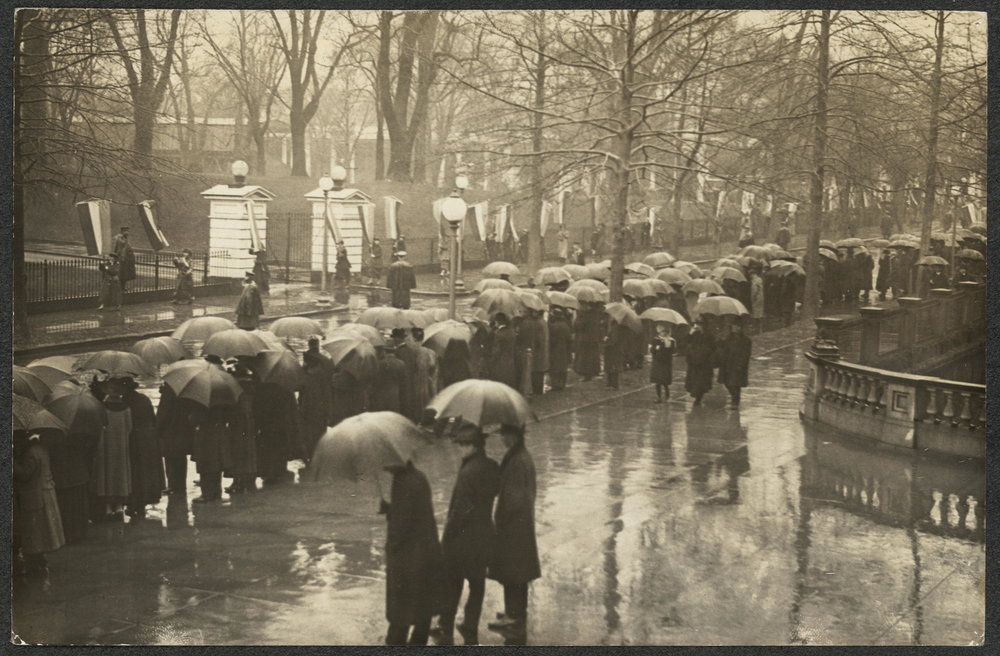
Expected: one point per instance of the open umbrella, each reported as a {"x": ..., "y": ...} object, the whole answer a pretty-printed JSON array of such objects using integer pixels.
[
  {"x": 355, "y": 355},
  {"x": 28, "y": 384},
  {"x": 116, "y": 363},
  {"x": 499, "y": 300},
  {"x": 964, "y": 254},
  {"x": 160, "y": 350},
  {"x": 416, "y": 319},
  {"x": 943, "y": 236},
  {"x": 664, "y": 315},
  {"x": 690, "y": 268},
  {"x": 438, "y": 335},
  {"x": 29, "y": 415},
  {"x": 53, "y": 369},
  {"x": 782, "y": 255},
  {"x": 598, "y": 271},
  {"x": 384, "y": 318},
  {"x": 202, "y": 382},
  {"x": 830, "y": 255},
  {"x": 532, "y": 301},
  {"x": 368, "y": 332},
  {"x": 702, "y": 286},
  {"x": 497, "y": 269},
  {"x": 592, "y": 284},
  {"x": 771, "y": 246},
  {"x": 562, "y": 299},
  {"x": 436, "y": 314},
  {"x": 576, "y": 271},
  {"x": 623, "y": 314},
  {"x": 826, "y": 243},
  {"x": 878, "y": 243},
  {"x": 655, "y": 286},
  {"x": 932, "y": 260},
  {"x": 634, "y": 288},
  {"x": 359, "y": 447},
  {"x": 758, "y": 252},
  {"x": 901, "y": 243},
  {"x": 728, "y": 273},
  {"x": 850, "y": 242},
  {"x": 978, "y": 229},
  {"x": 640, "y": 268},
  {"x": 75, "y": 405},
  {"x": 235, "y": 342},
  {"x": 719, "y": 305},
  {"x": 659, "y": 260},
  {"x": 786, "y": 268},
  {"x": 483, "y": 403},
  {"x": 281, "y": 368},
  {"x": 296, "y": 328},
  {"x": 199, "y": 329},
  {"x": 492, "y": 283},
  {"x": 552, "y": 276},
  {"x": 729, "y": 262},
  {"x": 672, "y": 276},
  {"x": 587, "y": 294},
  {"x": 906, "y": 236}
]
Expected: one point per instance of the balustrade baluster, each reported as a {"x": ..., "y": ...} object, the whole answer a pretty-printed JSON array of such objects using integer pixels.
[
  {"x": 930, "y": 414},
  {"x": 948, "y": 412},
  {"x": 852, "y": 389},
  {"x": 872, "y": 398},
  {"x": 864, "y": 384},
  {"x": 963, "y": 512},
  {"x": 845, "y": 383},
  {"x": 832, "y": 383},
  {"x": 966, "y": 415}
]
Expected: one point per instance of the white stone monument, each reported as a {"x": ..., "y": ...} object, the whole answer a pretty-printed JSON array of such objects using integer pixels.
[
  {"x": 237, "y": 222},
  {"x": 346, "y": 207}
]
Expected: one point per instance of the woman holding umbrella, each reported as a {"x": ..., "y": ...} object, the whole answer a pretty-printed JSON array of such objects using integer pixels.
[
  {"x": 883, "y": 275},
  {"x": 111, "y": 482},
  {"x": 734, "y": 361},
  {"x": 455, "y": 366},
  {"x": 615, "y": 341},
  {"x": 175, "y": 426},
  {"x": 37, "y": 522},
  {"x": 502, "y": 367},
  {"x": 144, "y": 451},
  {"x": 700, "y": 355},
  {"x": 249, "y": 307},
  {"x": 661, "y": 372},
  {"x": 560, "y": 347},
  {"x": 316, "y": 405},
  {"x": 111, "y": 285},
  {"x": 587, "y": 336}
]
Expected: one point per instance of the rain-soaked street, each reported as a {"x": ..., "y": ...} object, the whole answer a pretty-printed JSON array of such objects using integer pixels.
[{"x": 657, "y": 524}]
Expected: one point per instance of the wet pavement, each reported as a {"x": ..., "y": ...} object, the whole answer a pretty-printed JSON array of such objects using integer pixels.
[{"x": 657, "y": 525}]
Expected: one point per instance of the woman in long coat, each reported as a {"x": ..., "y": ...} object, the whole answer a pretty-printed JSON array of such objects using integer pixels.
[
  {"x": 249, "y": 307},
  {"x": 391, "y": 380},
  {"x": 37, "y": 522},
  {"x": 144, "y": 452},
  {"x": 211, "y": 448},
  {"x": 700, "y": 355},
  {"x": 479, "y": 350},
  {"x": 515, "y": 561},
  {"x": 175, "y": 434},
  {"x": 884, "y": 269},
  {"x": 111, "y": 481},
  {"x": 587, "y": 337},
  {"x": 661, "y": 372},
  {"x": 502, "y": 366},
  {"x": 111, "y": 286},
  {"x": 454, "y": 364},
  {"x": 560, "y": 348},
  {"x": 277, "y": 431},
  {"x": 316, "y": 407},
  {"x": 350, "y": 396},
  {"x": 70, "y": 464},
  {"x": 614, "y": 352},
  {"x": 426, "y": 384},
  {"x": 734, "y": 362},
  {"x": 413, "y": 561},
  {"x": 243, "y": 437}
]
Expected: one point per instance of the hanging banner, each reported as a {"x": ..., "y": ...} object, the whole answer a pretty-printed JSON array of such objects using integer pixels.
[
  {"x": 365, "y": 226},
  {"x": 865, "y": 202},
  {"x": 147, "y": 217},
  {"x": 436, "y": 210},
  {"x": 718, "y": 206},
  {"x": 255, "y": 241},
  {"x": 595, "y": 210},
  {"x": 562, "y": 207},
  {"x": 746, "y": 202},
  {"x": 480, "y": 211},
  {"x": 392, "y": 206},
  {"x": 769, "y": 205},
  {"x": 651, "y": 218},
  {"x": 501, "y": 223},
  {"x": 331, "y": 223},
  {"x": 95, "y": 221},
  {"x": 970, "y": 208},
  {"x": 546, "y": 213},
  {"x": 513, "y": 228},
  {"x": 700, "y": 192}
]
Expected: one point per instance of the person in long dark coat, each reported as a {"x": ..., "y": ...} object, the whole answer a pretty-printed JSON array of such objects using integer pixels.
[
  {"x": 211, "y": 449},
  {"x": 413, "y": 561},
  {"x": 249, "y": 307},
  {"x": 392, "y": 378},
  {"x": 700, "y": 356},
  {"x": 184, "y": 292},
  {"x": 342, "y": 268},
  {"x": 734, "y": 361},
  {"x": 277, "y": 432},
  {"x": 70, "y": 463},
  {"x": 502, "y": 367},
  {"x": 111, "y": 288},
  {"x": 400, "y": 280},
  {"x": 884, "y": 269},
  {"x": 144, "y": 453},
  {"x": 515, "y": 561},
  {"x": 587, "y": 337},
  {"x": 479, "y": 351},
  {"x": 865, "y": 267},
  {"x": 661, "y": 372},
  {"x": 37, "y": 522},
  {"x": 784, "y": 235},
  {"x": 316, "y": 398},
  {"x": 408, "y": 354},
  {"x": 614, "y": 352},
  {"x": 534, "y": 335},
  {"x": 469, "y": 535},
  {"x": 560, "y": 348},
  {"x": 350, "y": 396},
  {"x": 261, "y": 271},
  {"x": 122, "y": 249},
  {"x": 454, "y": 366},
  {"x": 111, "y": 477},
  {"x": 175, "y": 424},
  {"x": 243, "y": 435}
]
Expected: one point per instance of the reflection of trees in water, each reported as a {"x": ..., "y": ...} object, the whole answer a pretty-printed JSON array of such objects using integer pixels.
[{"x": 616, "y": 493}]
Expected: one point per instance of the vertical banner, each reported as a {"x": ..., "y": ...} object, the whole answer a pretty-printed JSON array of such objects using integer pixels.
[
  {"x": 392, "y": 207},
  {"x": 331, "y": 223},
  {"x": 470, "y": 218},
  {"x": 365, "y": 238},
  {"x": 255, "y": 242},
  {"x": 147, "y": 217},
  {"x": 562, "y": 206},
  {"x": 546, "y": 213},
  {"x": 700, "y": 192},
  {"x": 513, "y": 228},
  {"x": 501, "y": 223},
  {"x": 651, "y": 218},
  {"x": 718, "y": 206},
  {"x": 443, "y": 233},
  {"x": 595, "y": 209},
  {"x": 95, "y": 221},
  {"x": 769, "y": 206},
  {"x": 746, "y": 202},
  {"x": 482, "y": 211},
  {"x": 973, "y": 214}
]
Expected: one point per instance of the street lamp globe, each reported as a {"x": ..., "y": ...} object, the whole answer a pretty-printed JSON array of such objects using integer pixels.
[
  {"x": 453, "y": 210},
  {"x": 239, "y": 170},
  {"x": 339, "y": 174},
  {"x": 326, "y": 183},
  {"x": 461, "y": 182}
]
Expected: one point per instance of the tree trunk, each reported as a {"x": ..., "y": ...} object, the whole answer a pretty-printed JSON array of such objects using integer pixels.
[
  {"x": 535, "y": 235},
  {"x": 624, "y": 174},
  {"x": 810, "y": 305},
  {"x": 297, "y": 126},
  {"x": 379, "y": 139},
  {"x": 400, "y": 158},
  {"x": 930, "y": 174},
  {"x": 260, "y": 141},
  {"x": 145, "y": 121}
]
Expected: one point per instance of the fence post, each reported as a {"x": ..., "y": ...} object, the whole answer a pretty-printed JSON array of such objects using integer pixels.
[
  {"x": 45, "y": 280},
  {"x": 156, "y": 272},
  {"x": 204, "y": 275},
  {"x": 288, "y": 246}
]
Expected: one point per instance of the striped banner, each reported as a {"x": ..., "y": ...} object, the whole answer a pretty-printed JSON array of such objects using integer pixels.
[
  {"x": 255, "y": 241},
  {"x": 546, "y": 213},
  {"x": 331, "y": 223},
  {"x": 392, "y": 210},
  {"x": 501, "y": 223},
  {"x": 147, "y": 216},
  {"x": 95, "y": 221}
]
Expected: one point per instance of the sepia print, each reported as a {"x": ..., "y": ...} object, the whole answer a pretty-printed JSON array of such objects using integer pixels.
[{"x": 514, "y": 327}]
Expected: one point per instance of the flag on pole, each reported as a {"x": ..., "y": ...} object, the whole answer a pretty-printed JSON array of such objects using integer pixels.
[
  {"x": 392, "y": 210},
  {"x": 147, "y": 216},
  {"x": 436, "y": 210},
  {"x": 95, "y": 220},
  {"x": 365, "y": 226},
  {"x": 973, "y": 214},
  {"x": 255, "y": 241}
]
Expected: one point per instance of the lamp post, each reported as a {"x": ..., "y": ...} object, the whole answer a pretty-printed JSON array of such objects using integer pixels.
[
  {"x": 239, "y": 170},
  {"x": 332, "y": 181},
  {"x": 453, "y": 210}
]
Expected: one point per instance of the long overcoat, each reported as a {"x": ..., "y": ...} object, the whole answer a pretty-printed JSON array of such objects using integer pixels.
[
  {"x": 242, "y": 434},
  {"x": 425, "y": 384},
  {"x": 560, "y": 345},
  {"x": 734, "y": 360},
  {"x": 112, "y": 473},
  {"x": 661, "y": 371},
  {"x": 400, "y": 280},
  {"x": 174, "y": 424},
  {"x": 534, "y": 335},
  {"x": 277, "y": 431},
  {"x": 249, "y": 307},
  {"x": 884, "y": 269},
  {"x": 502, "y": 367},
  {"x": 391, "y": 378},
  {"x": 413, "y": 561},
  {"x": 349, "y": 396},
  {"x": 407, "y": 393},
  {"x": 587, "y": 337},
  {"x": 515, "y": 559},
  {"x": 36, "y": 517},
  {"x": 469, "y": 532},
  {"x": 211, "y": 446},
  {"x": 316, "y": 407},
  {"x": 144, "y": 452},
  {"x": 455, "y": 365},
  {"x": 614, "y": 347},
  {"x": 700, "y": 362}
]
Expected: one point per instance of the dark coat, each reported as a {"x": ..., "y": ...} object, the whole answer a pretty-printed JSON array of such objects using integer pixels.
[
  {"x": 242, "y": 434},
  {"x": 734, "y": 360},
  {"x": 502, "y": 367},
  {"x": 144, "y": 452},
  {"x": 401, "y": 280},
  {"x": 392, "y": 377},
  {"x": 587, "y": 337},
  {"x": 614, "y": 347},
  {"x": 534, "y": 334},
  {"x": 479, "y": 352},
  {"x": 37, "y": 521},
  {"x": 700, "y": 354},
  {"x": 884, "y": 269},
  {"x": 278, "y": 435},
  {"x": 211, "y": 448},
  {"x": 560, "y": 345},
  {"x": 315, "y": 399},
  {"x": 413, "y": 561},
  {"x": 469, "y": 533},
  {"x": 515, "y": 558},
  {"x": 348, "y": 396},
  {"x": 407, "y": 397},
  {"x": 662, "y": 370},
  {"x": 249, "y": 307},
  {"x": 175, "y": 422},
  {"x": 126, "y": 258},
  {"x": 454, "y": 365}
]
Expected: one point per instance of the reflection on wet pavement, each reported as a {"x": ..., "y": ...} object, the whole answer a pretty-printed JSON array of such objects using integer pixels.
[{"x": 658, "y": 524}]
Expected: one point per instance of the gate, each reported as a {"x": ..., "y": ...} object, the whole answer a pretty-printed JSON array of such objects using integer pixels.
[{"x": 289, "y": 246}]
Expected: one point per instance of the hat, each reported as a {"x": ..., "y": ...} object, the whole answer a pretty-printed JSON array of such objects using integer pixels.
[
  {"x": 468, "y": 434},
  {"x": 398, "y": 332}
]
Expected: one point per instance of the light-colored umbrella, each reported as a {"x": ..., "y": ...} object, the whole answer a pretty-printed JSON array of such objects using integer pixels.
[
  {"x": 199, "y": 329},
  {"x": 826, "y": 243},
  {"x": 719, "y": 306},
  {"x": 116, "y": 363},
  {"x": 160, "y": 350},
  {"x": 788, "y": 268},
  {"x": 758, "y": 252},
  {"x": 552, "y": 276},
  {"x": 664, "y": 315},
  {"x": 598, "y": 271},
  {"x": 532, "y": 301},
  {"x": 384, "y": 318},
  {"x": 417, "y": 319},
  {"x": 53, "y": 369},
  {"x": 562, "y": 299},
  {"x": 623, "y": 314},
  {"x": 370, "y": 333},
  {"x": 438, "y": 335},
  {"x": 30, "y": 415},
  {"x": 497, "y": 269},
  {"x": 771, "y": 246},
  {"x": 672, "y": 276},
  {"x": 483, "y": 403},
  {"x": 690, "y": 268},
  {"x": 634, "y": 288},
  {"x": 702, "y": 286},
  {"x": 878, "y": 243},
  {"x": 202, "y": 382},
  {"x": 587, "y": 294},
  {"x": 978, "y": 229},
  {"x": 29, "y": 385},
  {"x": 296, "y": 327},
  {"x": 640, "y": 268},
  {"x": 902, "y": 243},
  {"x": 233, "y": 343},
  {"x": 436, "y": 314},
  {"x": 932, "y": 260},
  {"x": 828, "y": 254},
  {"x": 659, "y": 260},
  {"x": 593, "y": 284},
  {"x": 655, "y": 286},
  {"x": 964, "y": 254},
  {"x": 75, "y": 406},
  {"x": 850, "y": 242},
  {"x": 729, "y": 262},
  {"x": 281, "y": 368},
  {"x": 728, "y": 273},
  {"x": 576, "y": 271},
  {"x": 782, "y": 255},
  {"x": 353, "y": 354},
  {"x": 492, "y": 283},
  {"x": 495, "y": 301}
]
